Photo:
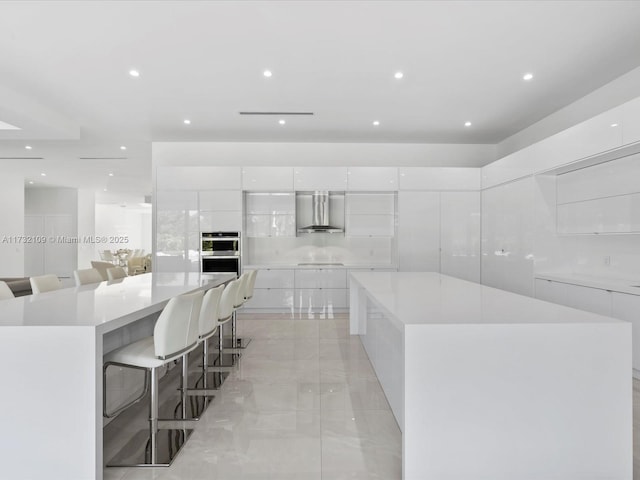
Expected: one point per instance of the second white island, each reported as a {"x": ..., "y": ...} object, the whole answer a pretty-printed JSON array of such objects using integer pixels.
[{"x": 487, "y": 384}]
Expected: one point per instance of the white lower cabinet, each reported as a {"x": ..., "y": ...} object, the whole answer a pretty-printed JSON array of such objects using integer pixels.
[
  {"x": 590, "y": 299},
  {"x": 627, "y": 307},
  {"x": 550, "y": 291},
  {"x": 273, "y": 290},
  {"x": 322, "y": 290},
  {"x": 320, "y": 300},
  {"x": 595, "y": 300}
]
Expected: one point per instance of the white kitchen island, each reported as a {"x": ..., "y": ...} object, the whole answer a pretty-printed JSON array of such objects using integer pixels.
[
  {"x": 51, "y": 349},
  {"x": 487, "y": 384}
]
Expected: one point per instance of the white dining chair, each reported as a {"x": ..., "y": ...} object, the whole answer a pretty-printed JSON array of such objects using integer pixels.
[
  {"x": 86, "y": 276},
  {"x": 115, "y": 273},
  {"x": 5, "y": 291},
  {"x": 45, "y": 283}
]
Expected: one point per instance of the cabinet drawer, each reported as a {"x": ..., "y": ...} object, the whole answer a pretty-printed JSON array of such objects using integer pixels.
[
  {"x": 590, "y": 299},
  {"x": 551, "y": 291},
  {"x": 320, "y": 300},
  {"x": 321, "y": 278},
  {"x": 271, "y": 298},
  {"x": 272, "y": 278}
]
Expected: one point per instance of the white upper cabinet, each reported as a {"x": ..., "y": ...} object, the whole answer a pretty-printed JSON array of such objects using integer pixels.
[
  {"x": 217, "y": 200},
  {"x": 444, "y": 178},
  {"x": 198, "y": 178},
  {"x": 517, "y": 165},
  {"x": 372, "y": 178},
  {"x": 267, "y": 179},
  {"x": 320, "y": 178},
  {"x": 631, "y": 121},
  {"x": 616, "y": 177}
]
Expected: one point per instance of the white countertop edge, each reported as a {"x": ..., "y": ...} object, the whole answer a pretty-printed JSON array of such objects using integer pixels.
[
  {"x": 509, "y": 306},
  {"x": 611, "y": 284}
]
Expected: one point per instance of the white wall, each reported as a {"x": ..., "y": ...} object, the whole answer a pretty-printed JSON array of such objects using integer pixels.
[
  {"x": 11, "y": 224},
  {"x": 52, "y": 213},
  {"x": 86, "y": 227}
]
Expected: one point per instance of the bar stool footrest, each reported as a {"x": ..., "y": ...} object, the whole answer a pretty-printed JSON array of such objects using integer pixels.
[
  {"x": 136, "y": 452},
  {"x": 240, "y": 343}
]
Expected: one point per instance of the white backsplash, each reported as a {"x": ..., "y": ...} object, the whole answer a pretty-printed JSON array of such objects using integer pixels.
[{"x": 319, "y": 248}]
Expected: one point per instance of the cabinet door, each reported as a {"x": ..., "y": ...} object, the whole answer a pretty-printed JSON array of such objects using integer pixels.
[
  {"x": 198, "y": 178},
  {"x": 372, "y": 178},
  {"x": 590, "y": 299},
  {"x": 321, "y": 278},
  {"x": 419, "y": 231},
  {"x": 274, "y": 278},
  {"x": 220, "y": 200},
  {"x": 319, "y": 300},
  {"x": 507, "y": 236},
  {"x": 460, "y": 235},
  {"x": 267, "y": 179},
  {"x": 177, "y": 232},
  {"x": 551, "y": 291},
  {"x": 275, "y": 298},
  {"x": 320, "y": 178},
  {"x": 627, "y": 307},
  {"x": 221, "y": 221}
]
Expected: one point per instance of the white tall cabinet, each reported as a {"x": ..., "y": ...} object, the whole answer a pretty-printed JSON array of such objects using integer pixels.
[
  {"x": 439, "y": 222},
  {"x": 507, "y": 236}
]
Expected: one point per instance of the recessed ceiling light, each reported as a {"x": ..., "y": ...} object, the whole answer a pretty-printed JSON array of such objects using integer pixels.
[
  {"x": 614, "y": 124},
  {"x": 186, "y": 121},
  {"x": 105, "y": 189},
  {"x": 527, "y": 76},
  {"x": 134, "y": 73},
  {"x": 43, "y": 174},
  {"x": 281, "y": 122},
  {"x": 28, "y": 147},
  {"x": 30, "y": 182},
  {"x": 267, "y": 73},
  {"x": 467, "y": 124},
  {"x": 399, "y": 75},
  {"x": 122, "y": 147},
  {"x": 110, "y": 174},
  {"x": 376, "y": 123}
]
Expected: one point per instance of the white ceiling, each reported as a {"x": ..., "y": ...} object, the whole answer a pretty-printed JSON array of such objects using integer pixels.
[{"x": 64, "y": 74}]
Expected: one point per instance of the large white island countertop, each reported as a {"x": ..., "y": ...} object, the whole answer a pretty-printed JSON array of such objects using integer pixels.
[
  {"x": 487, "y": 384},
  {"x": 51, "y": 350}
]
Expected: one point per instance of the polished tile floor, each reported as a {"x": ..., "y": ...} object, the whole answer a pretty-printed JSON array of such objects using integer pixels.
[{"x": 302, "y": 404}]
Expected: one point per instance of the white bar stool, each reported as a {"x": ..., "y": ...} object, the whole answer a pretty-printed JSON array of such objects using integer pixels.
[
  {"x": 234, "y": 342},
  {"x": 225, "y": 313},
  {"x": 174, "y": 336},
  {"x": 204, "y": 385}
]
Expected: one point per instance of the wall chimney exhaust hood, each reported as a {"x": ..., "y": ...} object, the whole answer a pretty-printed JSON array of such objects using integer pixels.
[{"x": 320, "y": 214}]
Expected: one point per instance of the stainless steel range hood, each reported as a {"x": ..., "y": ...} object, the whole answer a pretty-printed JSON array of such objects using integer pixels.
[{"x": 320, "y": 215}]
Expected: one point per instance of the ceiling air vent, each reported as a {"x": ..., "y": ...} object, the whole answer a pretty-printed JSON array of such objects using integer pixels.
[
  {"x": 276, "y": 113},
  {"x": 103, "y": 158},
  {"x": 21, "y": 158}
]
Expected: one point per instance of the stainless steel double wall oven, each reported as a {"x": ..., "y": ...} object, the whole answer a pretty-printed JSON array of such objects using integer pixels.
[{"x": 220, "y": 252}]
